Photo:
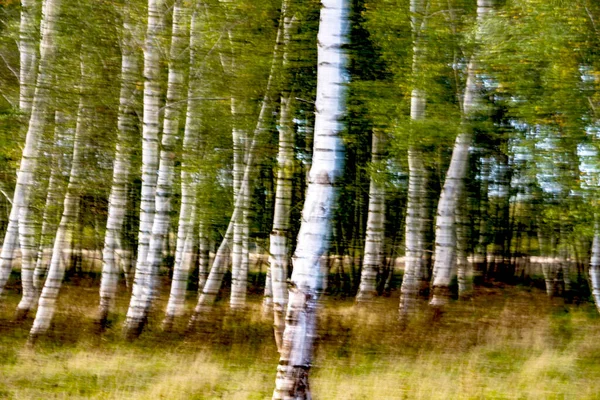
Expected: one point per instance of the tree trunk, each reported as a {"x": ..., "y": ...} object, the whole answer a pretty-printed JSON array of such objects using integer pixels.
[
  {"x": 215, "y": 277},
  {"x": 186, "y": 238},
  {"x": 595, "y": 265},
  {"x": 444, "y": 267},
  {"x": 37, "y": 123},
  {"x": 56, "y": 272},
  {"x": 117, "y": 202},
  {"x": 150, "y": 164},
  {"x": 279, "y": 240},
  {"x": 166, "y": 171},
  {"x": 315, "y": 230},
  {"x": 374, "y": 241}
]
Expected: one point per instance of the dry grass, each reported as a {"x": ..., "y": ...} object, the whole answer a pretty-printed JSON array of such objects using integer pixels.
[{"x": 509, "y": 343}]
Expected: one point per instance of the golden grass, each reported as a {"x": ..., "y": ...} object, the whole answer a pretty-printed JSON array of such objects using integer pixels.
[{"x": 510, "y": 343}]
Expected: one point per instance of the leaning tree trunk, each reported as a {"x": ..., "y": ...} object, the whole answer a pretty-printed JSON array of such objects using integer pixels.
[
  {"x": 117, "y": 201},
  {"x": 166, "y": 172},
  {"x": 37, "y": 123},
  {"x": 56, "y": 272},
  {"x": 215, "y": 277},
  {"x": 315, "y": 230},
  {"x": 374, "y": 242},
  {"x": 444, "y": 267},
  {"x": 150, "y": 161},
  {"x": 189, "y": 187}
]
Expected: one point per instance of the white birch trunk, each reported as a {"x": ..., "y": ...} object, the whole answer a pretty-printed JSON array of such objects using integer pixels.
[
  {"x": 315, "y": 231},
  {"x": 28, "y": 56},
  {"x": 595, "y": 265},
  {"x": 117, "y": 202},
  {"x": 166, "y": 172},
  {"x": 239, "y": 271},
  {"x": 279, "y": 245},
  {"x": 416, "y": 209},
  {"x": 37, "y": 122},
  {"x": 189, "y": 184},
  {"x": 374, "y": 241},
  {"x": 444, "y": 267},
  {"x": 150, "y": 163},
  {"x": 56, "y": 272},
  {"x": 63, "y": 133}
]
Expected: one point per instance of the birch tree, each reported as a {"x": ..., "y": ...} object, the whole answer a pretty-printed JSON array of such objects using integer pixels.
[
  {"x": 39, "y": 110},
  {"x": 315, "y": 230},
  {"x": 374, "y": 241},
  {"x": 166, "y": 172},
  {"x": 56, "y": 271},
  {"x": 445, "y": 233},
  {"x": 117, "y": 202},
  {"x": 189, "y": 184},
  {"x": 150, "y": 164}
]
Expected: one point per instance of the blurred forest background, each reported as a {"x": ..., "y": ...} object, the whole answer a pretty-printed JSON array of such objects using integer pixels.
[{"x": 154, "y": 164}]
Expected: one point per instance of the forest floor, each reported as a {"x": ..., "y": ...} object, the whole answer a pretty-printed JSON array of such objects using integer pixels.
[{"x": 508, "y": 342}]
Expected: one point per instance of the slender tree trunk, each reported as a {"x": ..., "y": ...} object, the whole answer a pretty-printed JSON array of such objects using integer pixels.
[
  {"x": 463, "y": 266},
  {"x": 117, "y": 202},
  {"x": 150, "y": 165},
  {"x": 416, "y": 213},
  {"x": 215, "y": 277},
  {"x": 444, "y": 267},
  {"x": 279, "y": 249},
  {"x": 595, "y": 265},
  {"x": 166, "y": 171},
  {"x": 37, "y": 122},
  {"x": 56, "y": 272},
  {"x": 279, "y": 240},
  {"x": 186, "y": 238},
  {"x": 374, "y": 242},
  {"x": 239, "y": 271},
  {"x": 315, "y": 230}
]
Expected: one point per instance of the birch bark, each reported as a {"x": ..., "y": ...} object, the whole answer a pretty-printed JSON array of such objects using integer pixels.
[
  {"x": 37, "y": 122},
  {"x": 315, "y": 230},
  {"x": 279, "y": 243},
  {"x": 189, "y": 187},
  {"x": 166, "y": 171},
  {"x": 445, "y": 232},
  {"x": 595, "y": 265},
  {"x": 56, "y": 272},
  {"x": 150, "y": 161},
  {"x": 373, "y": 257},
  {"x": 416, "y": 212},
  {"x": 279, "y": 246},
  {"x": 117, "y": 202}
]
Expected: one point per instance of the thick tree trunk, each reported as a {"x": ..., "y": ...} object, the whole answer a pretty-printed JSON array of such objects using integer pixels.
[
  {"x": 56, "y": 272},
  {"x": 374, "y": 242},
  {"x": 37, "y": 122},
  {"x": 117, "y": 202},
  {"x": 166, "y": 170},
  {"x": 315, "y": 230},
  {"x": 150, "y": 164},
  {"x": 444, "y": 267}
]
